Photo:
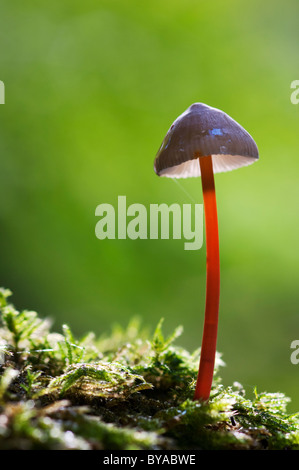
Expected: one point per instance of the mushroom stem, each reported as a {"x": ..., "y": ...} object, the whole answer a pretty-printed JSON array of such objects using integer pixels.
[{"x": 208, "y": 348}]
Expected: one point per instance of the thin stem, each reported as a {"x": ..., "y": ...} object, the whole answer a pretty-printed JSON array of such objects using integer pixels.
[{"x": 208, "y": 348}]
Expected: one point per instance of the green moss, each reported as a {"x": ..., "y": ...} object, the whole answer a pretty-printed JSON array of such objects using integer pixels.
[{"x": 127, "y": 390}]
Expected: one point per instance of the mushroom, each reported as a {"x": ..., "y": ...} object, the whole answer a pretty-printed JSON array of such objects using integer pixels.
[{"x": 203, "y": 141}]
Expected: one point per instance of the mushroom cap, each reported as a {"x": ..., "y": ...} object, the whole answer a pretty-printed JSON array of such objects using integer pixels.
[{"x": 199, "y": 132}]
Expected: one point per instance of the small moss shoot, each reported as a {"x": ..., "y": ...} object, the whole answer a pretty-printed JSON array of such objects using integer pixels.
[{"x": 127, "y": 390}]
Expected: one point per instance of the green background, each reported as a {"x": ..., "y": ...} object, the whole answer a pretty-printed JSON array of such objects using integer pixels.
[{"x": 91, "y": 89}]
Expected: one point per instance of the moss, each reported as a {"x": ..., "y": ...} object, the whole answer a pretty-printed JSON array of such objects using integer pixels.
[{"x": 126, "y": 390}]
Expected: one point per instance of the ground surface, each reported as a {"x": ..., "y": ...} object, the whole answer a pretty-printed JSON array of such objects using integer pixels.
[{"x": 128, "y": 390}]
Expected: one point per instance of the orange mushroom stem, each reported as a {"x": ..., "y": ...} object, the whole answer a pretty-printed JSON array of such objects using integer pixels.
[{"x": 209, "y": 340}]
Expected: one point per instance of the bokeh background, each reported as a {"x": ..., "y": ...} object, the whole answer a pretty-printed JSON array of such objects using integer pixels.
[{"x": 91, "y": 89}]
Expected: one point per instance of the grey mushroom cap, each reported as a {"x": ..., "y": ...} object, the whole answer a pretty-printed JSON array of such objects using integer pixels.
[{"x": 199, "y": 132}]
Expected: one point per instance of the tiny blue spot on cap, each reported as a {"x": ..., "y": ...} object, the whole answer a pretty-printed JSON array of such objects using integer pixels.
[{"x": 215, "y": 132}]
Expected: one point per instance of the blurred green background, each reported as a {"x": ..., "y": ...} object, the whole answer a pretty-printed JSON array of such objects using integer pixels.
[{"x": 91, "y": 89}]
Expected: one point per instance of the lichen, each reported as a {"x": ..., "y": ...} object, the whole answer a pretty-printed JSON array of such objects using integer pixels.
[{"x": 129, "y": 389}]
